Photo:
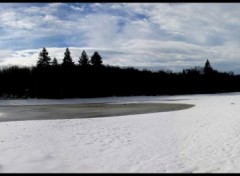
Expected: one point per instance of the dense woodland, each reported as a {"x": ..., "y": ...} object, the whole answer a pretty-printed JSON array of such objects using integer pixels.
[{"x": 91, "y": 78}]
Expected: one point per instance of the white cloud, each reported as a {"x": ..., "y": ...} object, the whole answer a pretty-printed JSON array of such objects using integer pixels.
[
  {"x": 5, "y": 54},
  {"x": 100, "y": 30},
  {"x": 128, "y": 34},
  {"x": 80, "y": 9}
]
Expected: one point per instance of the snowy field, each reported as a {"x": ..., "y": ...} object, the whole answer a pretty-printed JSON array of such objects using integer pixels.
[{"x": 205, "y": 138}]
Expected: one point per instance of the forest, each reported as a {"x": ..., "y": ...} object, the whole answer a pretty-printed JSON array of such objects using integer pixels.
[{"x": 91, "y": 78}]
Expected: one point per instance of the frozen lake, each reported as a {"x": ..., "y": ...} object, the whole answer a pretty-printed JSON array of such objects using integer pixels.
[{"x": 132, "y": 99}]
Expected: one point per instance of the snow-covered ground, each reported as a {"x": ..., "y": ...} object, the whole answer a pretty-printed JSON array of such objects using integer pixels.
[{"x": 205, "y": 138}]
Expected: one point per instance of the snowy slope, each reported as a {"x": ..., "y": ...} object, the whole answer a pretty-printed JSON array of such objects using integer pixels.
[{"x": 205, "y": 138}]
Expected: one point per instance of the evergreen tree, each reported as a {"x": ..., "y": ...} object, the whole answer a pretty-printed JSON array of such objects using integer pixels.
[
  {"x": 96, "y": 59},
  {"x": 67, "y": 60},
  {"x": 83, "y": 60},
  {"x": 207, "y": 68},
  {"x": 54, "y": 62},
  {"x": 43, "y": 59}
]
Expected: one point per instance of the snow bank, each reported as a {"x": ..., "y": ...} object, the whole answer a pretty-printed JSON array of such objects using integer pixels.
[{"x": 204, "y": 138}]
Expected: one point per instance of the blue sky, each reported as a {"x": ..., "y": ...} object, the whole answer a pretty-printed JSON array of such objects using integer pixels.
[{"x": 153, "y": 35}]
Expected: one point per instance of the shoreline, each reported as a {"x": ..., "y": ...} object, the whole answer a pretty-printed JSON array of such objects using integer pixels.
[{"x": 86, "y": 110}]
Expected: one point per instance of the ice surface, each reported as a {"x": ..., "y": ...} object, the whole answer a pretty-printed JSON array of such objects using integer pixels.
[{"x": 205, "y": 138}]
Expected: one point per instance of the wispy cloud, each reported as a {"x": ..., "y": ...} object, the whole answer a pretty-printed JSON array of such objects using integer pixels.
[{"x": 172, "y": 35}]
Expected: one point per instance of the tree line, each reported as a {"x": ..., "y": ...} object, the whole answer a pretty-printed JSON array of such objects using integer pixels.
[
  {"x": 44, "y": 60},
  {"x": 91, "y": 78}
]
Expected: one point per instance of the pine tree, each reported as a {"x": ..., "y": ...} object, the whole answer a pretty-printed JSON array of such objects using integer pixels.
[
  {"x": 43, "y": 59},
  {"x": 54, "y": 62},
  {"x": 96, "y": 59},
  {"x": 83, "y": 60},
  {"x": 207, "y": 68},
  {"x": 67, "y": 60}
]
